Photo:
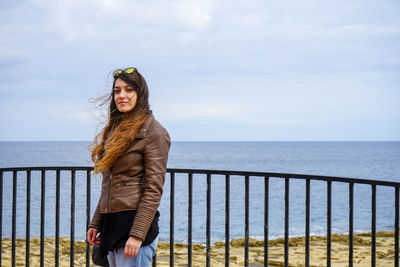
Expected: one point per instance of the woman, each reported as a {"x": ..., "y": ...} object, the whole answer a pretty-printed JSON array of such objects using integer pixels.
[{"x": 131, "y": 152}]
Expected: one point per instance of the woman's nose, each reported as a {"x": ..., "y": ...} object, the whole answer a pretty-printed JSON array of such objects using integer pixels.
[{"x": 122, "y": 94}]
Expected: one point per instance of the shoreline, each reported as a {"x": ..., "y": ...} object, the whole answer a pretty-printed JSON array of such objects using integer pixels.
[{"x": 339, "y": 251}]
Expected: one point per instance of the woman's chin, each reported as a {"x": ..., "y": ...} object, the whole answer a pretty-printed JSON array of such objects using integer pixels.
[{"x": 124, "y": 110}]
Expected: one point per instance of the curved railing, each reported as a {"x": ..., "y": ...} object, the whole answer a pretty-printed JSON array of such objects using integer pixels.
[{"x": 86, "y": 171}]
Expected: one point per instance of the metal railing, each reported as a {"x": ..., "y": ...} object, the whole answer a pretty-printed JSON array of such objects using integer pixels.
[{"x": 208, "y": 176}]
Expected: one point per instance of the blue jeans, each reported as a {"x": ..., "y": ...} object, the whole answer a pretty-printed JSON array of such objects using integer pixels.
[{"x": 116, "y": 258}]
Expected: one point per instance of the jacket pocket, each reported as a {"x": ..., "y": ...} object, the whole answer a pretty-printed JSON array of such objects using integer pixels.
[{"x": 129, "y": 191}]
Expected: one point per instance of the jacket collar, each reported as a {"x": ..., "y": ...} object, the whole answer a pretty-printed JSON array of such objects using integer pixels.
[{"x": 145, "y": 128}]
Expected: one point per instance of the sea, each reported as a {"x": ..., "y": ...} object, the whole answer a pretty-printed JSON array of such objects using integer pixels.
[{"x": 368, "y": 160}]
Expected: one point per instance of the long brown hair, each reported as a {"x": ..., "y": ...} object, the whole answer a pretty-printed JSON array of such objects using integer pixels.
[{"x": 121, "y": 128}]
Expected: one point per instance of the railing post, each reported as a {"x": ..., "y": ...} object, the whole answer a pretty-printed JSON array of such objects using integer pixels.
[
  {"x": 396, "y": 228},
  {"x": 307, "y": 237},
  {"x": 72, "y": 244},
  {"x": 266, "y": 219},
  {"x": 57, "y": 229},
  {"x": 328, "y": 223},
  {"x": 208, "y": 221},
  {"x": 373, "y": 226},
  {"x": 171, "y": 222},
  {"x": 227, "y": 215},
  {"x": 88, "y": 193},
  {"x": 351, "y": 220},
  {"x": 286, "y": 222},
  {"x": 246, "y": 224},
  {"x": 1, "y": 214},
  {"x": 14, "y": 218},
  {"x": 42, "y": 215},
  {"x": 190, "y": 216},
  {"x": 28, "y": 217}
]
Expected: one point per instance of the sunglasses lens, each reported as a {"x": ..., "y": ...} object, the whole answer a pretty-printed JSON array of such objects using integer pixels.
[
  {"x": 130, "y": 70},
  {"x": 116, "y": 73}
]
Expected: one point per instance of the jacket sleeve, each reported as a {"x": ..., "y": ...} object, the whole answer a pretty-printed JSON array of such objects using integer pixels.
[
  {"x": 95, "y": 222},
  {"x": 155, "y": 162}
]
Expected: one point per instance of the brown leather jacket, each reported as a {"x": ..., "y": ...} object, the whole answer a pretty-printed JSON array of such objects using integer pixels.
[{"x": 122, "y": 189}]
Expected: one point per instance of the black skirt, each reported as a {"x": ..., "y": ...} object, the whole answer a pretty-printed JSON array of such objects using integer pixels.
[{"x": 115, "y": 229}]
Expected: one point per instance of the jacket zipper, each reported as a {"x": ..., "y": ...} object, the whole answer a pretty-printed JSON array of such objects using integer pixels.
[{"x": 109, "y": 194}]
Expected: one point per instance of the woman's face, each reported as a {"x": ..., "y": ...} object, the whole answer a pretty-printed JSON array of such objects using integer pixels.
[{"x": 124, "y": 96}]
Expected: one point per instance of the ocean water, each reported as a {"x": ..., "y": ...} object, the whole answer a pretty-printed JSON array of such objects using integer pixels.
[{"x": 370, "y": 160}]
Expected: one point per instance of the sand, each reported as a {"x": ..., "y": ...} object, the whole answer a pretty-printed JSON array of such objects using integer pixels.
[{"x": 339, "y": 252}]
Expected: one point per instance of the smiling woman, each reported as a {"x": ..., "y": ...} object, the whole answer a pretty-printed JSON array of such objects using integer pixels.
[
  {"x": 124, "y": 96},
  {"x": 131, "y": 152}
]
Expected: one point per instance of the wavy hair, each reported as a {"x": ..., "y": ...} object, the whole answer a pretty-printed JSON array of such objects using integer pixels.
[{"x": 121, "y": 128}]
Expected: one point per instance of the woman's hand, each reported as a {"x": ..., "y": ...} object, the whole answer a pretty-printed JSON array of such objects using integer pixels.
[
  {"x": 132, "y": 247},
  {"x": 91, "y": 236}
]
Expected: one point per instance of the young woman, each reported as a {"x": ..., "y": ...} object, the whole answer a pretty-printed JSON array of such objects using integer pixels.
[{"x": 131, "y": 152}]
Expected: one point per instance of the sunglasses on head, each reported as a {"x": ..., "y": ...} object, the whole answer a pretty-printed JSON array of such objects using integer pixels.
[{"x": 127, "y": 70}]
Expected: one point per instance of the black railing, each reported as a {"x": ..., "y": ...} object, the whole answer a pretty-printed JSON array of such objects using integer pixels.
[{"x": 208, "y": 174}]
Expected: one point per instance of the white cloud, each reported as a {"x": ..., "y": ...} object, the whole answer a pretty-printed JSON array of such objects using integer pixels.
[
  {"x": 77, "y": 21},
  {"x": 296, "y": 62}
]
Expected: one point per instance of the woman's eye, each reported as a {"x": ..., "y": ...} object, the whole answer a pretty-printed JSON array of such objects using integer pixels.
[
  {"x": 117, "y": 91},
  {"x": 130, "y": 90}
]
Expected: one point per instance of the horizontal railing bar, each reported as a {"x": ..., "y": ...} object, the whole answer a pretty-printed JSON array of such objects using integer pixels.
[
  {"x": 289, "y": 175},
  {"x": 228, "y": 172},
  {"x": 48, "y": 168}
]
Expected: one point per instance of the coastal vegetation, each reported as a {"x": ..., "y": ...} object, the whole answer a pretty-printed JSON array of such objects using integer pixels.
[{"x": 340, "y": 250}]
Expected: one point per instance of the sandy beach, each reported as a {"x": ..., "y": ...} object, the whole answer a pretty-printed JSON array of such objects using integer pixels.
[{"x": 361, "y": 254}]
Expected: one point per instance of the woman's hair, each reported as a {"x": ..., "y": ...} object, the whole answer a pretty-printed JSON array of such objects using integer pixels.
[{"x": 121, "y": 128}]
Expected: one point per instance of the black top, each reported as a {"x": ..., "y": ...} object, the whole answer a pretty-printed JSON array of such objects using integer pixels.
[{"x": 115, "y": 229}]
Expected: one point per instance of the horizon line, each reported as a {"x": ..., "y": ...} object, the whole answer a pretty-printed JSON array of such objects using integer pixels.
[{"x": 212, "y": 141}]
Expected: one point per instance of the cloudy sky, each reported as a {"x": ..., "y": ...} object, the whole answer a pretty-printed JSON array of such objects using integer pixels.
[{"x": 217, "y": 70}]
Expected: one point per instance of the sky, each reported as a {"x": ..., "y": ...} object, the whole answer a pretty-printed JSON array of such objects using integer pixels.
[{"x": 217, "y": 70}]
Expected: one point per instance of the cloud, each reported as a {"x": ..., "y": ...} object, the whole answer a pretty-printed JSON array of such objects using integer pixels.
[
  {"x": 234, "y": 34},
  {"x": 77, "y": 21},
  {"x": 256, "y": 62}
]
